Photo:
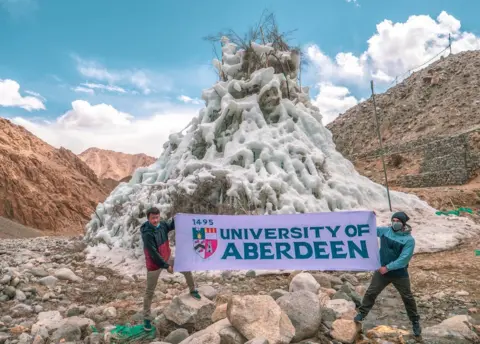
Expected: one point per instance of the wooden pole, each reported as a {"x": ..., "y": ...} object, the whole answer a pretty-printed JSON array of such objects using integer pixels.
[{"x": 381, "y": 146}]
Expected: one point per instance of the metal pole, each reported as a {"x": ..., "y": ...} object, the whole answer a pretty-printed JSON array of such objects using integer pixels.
[
  {"x": 450, "y": 43},
  {"x": 381, "y": 146}
]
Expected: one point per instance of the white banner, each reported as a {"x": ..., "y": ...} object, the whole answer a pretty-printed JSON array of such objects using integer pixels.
[{"x": 321, "y": 241}]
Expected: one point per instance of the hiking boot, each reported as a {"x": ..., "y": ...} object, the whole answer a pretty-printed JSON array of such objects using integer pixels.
[
  {"x": 195, "y": 294},
  {"x": 417, "y": 330},
  {"x": 147, "y": 325},
  {"x": 359, "y": 318}
]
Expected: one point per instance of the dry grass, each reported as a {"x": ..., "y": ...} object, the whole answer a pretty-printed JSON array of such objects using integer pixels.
[{"x": 210, "y": 197}]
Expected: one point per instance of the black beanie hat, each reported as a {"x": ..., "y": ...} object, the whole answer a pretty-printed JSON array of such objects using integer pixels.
[{"x": 401, "y": 216}]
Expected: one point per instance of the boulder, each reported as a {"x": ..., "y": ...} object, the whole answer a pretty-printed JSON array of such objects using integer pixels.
[
  {"x": 203, "y": 337},
  {"x": 20, "y": 295},
  {"x": 260, "y": 316},
  {"x": 4, "y": 337},
  {"x": 349, "y": 278},
  {"x": 340, "y": 307},
  {"x": 345, "y": 331},
  {"x": 67, "y": 274},
  {"x": 257, "y": 341},
  {"x": 25, "y": 338},
  {"x": 219, "y": 313},
  {"x": 39, "y": 272},
  {"x": 304, "y": 311},
  {"x": 48, "y": 281},
  {"x": 51, "y": 321},
  {"x": 185, "y": 310},
  {"x": 67, "y": 333},
  {"x": 456, "y": 327},
  {"x": 21, "y": 310},
  {"x": 323, "y": 279},
  {"x": 277, "y": 293},
  {"x": 229, "y": 335},
  {"x": 177, "y": 336},
  {"x": 304, "y": 281},
  {"x": 386, "y": 333},
  {"x": 208, "y": 291}
]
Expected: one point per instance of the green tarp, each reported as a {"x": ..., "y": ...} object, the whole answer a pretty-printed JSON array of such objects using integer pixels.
[{"x": 455, "y": 212}]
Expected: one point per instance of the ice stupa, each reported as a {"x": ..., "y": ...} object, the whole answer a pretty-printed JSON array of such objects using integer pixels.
[{"x": 260, "y": 132}]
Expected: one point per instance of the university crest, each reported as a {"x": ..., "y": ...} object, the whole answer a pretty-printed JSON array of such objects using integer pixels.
[{"x": 205, "y": 241}]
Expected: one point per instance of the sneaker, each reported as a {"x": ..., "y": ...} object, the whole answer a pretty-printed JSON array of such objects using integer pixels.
[
  {"x": 195, "y": 295},
  {"x": 147, "y": 325},
  {"x": 417, "y": 330},
  {"x": 358, "y": 318}
]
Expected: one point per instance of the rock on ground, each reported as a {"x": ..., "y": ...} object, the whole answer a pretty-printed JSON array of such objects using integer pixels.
[
  {"x": 185, "y": 310},
  {"x": 304, "y": 311},
  {"x": 260, "y": 316},
  {"x": 230, "y": 335},
  {"x": 48, "y": 320},
  {"x": 386, "y": 333},
  {"x": 68, "y": 333},
  {"x": 454, "y": 327},
  {"x": 48, "y": 281},
  {"x": 67, "y": 274},
  {"x": 203, "y": 337},
  {"x": 304, "y": 281},
  {"x": 345, "y": 331},
  {"x": 208, "y": 291},
  {"x": 340, "y": 307},
  {"x": 219, "y": 313},
  {"x": 177, "y": 336}
]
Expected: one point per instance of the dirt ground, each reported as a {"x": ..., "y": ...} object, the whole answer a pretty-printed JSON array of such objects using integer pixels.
[{"x": 14, "y": 230}]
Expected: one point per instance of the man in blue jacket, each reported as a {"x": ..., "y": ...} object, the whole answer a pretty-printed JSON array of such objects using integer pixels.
[{"x": 396, "y": 249}]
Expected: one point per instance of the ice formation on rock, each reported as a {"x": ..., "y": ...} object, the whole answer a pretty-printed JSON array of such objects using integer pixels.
[{"x": 261, "y": 132}]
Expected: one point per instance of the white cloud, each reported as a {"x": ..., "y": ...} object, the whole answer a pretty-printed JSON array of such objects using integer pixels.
[
  {"x": 10, "y": 97},
  {"x": 394, "y": 50},
  {"x": 354, "y": 2},
  {"x": 110, "y": 88},
  {"x": 35, "y": 94},
  {"x": 188, "y": 100},
  {"x": 80, "y": 89},
  {"x": 143, "y": 80},
  {"x": 103, "y": 126},
  {"x": 333, "y": 100}
]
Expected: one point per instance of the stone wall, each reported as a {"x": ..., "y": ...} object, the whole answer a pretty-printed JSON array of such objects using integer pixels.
[{"x": 449, "y": 160}]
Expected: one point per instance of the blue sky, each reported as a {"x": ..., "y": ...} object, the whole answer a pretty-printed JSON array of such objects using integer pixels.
[{"x": 129, "y": 66}]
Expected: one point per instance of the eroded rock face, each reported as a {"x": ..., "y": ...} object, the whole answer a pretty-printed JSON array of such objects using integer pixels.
[
  {"x": 259, "y": 316},
  {"x": 66, "y": 190}
]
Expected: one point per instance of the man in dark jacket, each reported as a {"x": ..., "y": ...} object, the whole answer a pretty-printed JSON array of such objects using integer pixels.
[
  {"x": 157, "y": 257},
  {"x": 396, "y": 249}
]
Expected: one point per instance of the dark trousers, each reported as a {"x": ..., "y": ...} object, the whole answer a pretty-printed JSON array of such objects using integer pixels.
[{"x": 380, "y": 282}]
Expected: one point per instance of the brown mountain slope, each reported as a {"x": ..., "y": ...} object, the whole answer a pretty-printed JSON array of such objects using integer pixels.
[
  {"x": 430, "y": 127},
  {"x": 440, "y": 100},
  {"x": 114, "y": 165},
  {"x": 43, "y": 187}
]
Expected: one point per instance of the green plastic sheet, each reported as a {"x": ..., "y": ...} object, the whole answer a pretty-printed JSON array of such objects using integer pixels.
[
  {"x": 123, "y": 334},
  {"x": 455, "y": 212}
]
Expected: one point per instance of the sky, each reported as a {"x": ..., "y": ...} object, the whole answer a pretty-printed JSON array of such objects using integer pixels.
[{"x": 125, "y": 75}]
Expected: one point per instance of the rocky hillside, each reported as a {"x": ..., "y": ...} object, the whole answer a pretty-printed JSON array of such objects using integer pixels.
[
  {"x": 43, "y": 187},
  {"x": 430, "y": 126},
  {"x": 108, "y": 164},
  {"x": 440, "y": 100}
]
